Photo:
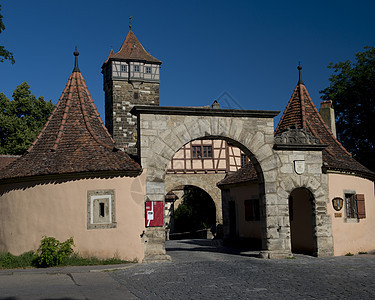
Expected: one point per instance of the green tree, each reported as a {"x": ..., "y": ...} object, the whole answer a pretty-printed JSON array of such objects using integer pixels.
[
  {"x": 21, "y": 119},
  {"x": 352, "y": 90},
  {"x": 4, "y": 53}
]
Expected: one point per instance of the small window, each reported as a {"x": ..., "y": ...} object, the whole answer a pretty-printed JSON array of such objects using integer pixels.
[
  {"x": 207, "y": 151},
  {"x": 252, "y": 212},
  {"x": 351, "y": 206},
  {"x": 148, "y": 70},
  {"x": 197, "y": 152},
  {"x": 136, "y": 68},
  {"x": 244, "y": 159},
  {"x": 355, "y": 205},
  {"x": 101, "y": 209},
  {"x": 123, "y": 68},
  {"x": 202, "y": 151}
]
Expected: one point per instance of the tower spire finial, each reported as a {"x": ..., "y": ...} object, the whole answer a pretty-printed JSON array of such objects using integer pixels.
[
  {"x": 130, "y": 22},
  {"x": 300, "y": 74},
  {"x": 76, "y": 53}
]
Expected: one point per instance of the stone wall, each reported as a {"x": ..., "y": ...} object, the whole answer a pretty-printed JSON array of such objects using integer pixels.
[
  {"x": 164, "y": 130},
  {"x": 316, "y": 182},
  {"x": 120, "y": 97}
]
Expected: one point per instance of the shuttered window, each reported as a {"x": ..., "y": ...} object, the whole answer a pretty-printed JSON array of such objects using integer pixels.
[
  {"x": 355, "y": 205},
  {"x": 361, "y": 206},
  {"x": 351, "y": 206}
]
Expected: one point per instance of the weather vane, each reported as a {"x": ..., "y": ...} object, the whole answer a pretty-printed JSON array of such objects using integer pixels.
[{"x": 130, "y": 22}]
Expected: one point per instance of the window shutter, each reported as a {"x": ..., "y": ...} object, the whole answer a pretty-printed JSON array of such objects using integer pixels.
[{"x": 361, "y": 206}]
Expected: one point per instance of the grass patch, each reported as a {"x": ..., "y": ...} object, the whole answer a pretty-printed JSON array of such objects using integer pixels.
[
  {"x": 362, "y": 252},
  {"x": 76, "y": 260},
  {"x": 27, "y": 260},
  {"x": 9, "y": 261},
  {"x": 349, "y": 254}
]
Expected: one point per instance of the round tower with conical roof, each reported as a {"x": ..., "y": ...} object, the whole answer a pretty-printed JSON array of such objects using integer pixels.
[{"x": 130, "y": 77}]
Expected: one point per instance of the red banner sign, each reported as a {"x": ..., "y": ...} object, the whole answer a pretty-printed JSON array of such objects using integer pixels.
[{"x": 154, "y": 213}]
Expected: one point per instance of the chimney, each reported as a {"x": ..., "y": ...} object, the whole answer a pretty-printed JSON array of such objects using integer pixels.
[
  {"x": 328, "y": 115},
  {"x": 215, "y": 105}
]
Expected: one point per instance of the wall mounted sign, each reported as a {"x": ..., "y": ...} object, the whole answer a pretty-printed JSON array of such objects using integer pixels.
[
  {"x": 337, "y": 203},
  {"x": 299, "y": 166},
  {"x": 154, "y": 213}
]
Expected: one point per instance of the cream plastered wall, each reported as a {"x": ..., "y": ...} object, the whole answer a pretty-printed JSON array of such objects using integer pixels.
[
  {"x": 349, "y": 236},
  {"x": 30, "y": 211},
  {"x": 246, "y": 229}
]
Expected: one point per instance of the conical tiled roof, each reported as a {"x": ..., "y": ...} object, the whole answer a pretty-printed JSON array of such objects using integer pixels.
[
  {"x": 302, "y": 113},
  {"x": 74, "y": 140},
  {"x": 132, "y": 49}
]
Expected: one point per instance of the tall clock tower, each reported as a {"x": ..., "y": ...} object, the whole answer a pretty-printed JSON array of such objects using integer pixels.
[{"x": 130, "y": 77}]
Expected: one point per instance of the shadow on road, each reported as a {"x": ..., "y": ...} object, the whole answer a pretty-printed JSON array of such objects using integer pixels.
[
  {"x": 15, "y": 298},
  {"x": 213, "y": 246}
]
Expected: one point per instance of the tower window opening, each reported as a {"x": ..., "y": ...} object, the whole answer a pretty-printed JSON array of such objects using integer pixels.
[
  {"x": 136, "y": 68},
  {"x": 148, "y": 70},
  {"x": 123, "y": 68}
]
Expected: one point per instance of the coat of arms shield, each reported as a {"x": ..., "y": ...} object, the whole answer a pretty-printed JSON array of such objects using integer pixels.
[{"x": 299, "y": 166}]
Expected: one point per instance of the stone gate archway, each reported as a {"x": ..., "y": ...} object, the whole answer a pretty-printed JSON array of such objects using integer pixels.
[{"x": 164, "y": 130}]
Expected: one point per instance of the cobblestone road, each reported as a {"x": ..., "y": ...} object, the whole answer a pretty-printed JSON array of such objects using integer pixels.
[{"x": 201, "y": 269}]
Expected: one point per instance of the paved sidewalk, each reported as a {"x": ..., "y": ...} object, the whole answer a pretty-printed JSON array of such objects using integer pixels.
[
  {"x": 200, "y": 269},
  {"x": 68, "y": 283}
]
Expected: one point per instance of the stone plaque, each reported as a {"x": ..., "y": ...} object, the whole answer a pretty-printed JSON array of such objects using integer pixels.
[
  {"x": 299, "y": 166},
  {"x": 338, "y": 215}
]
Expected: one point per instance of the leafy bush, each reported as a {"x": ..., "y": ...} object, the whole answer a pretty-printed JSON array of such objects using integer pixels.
[{"x": 52, "y": 252}]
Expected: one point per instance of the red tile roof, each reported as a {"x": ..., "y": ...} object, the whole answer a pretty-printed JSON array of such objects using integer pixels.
[
  {"x": 74, "y": 140},
  {"x": 245, "y": 174},
  {"x": 302, "y": 113},
  {"x": 7, "y": 159},
  {"x": 132, "y": 49}
]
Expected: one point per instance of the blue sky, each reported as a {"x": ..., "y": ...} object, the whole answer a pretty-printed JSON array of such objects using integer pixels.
[{"x": 246, "y": 49}]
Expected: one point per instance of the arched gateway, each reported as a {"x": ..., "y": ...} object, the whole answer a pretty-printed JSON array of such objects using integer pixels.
[{"x": 162, "y": 131}]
